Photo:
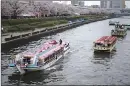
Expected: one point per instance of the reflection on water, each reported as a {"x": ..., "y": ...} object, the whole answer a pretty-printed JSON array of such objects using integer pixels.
[
  {"x": 102, "y": 57},
  {"x": 80, "y": 66},
  {"x": 39, "y": 77}
]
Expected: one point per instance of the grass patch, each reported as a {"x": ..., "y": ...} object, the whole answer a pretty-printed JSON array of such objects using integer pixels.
[
  {"x": 15, "y": 25},
  {"x": 32, "y": 26}
]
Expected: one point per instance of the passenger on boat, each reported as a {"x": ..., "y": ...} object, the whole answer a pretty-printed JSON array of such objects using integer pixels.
[
  {"x": 66, "y": 45},
  {"x": 60, "y": 41},
  {"x": 117, "y": 25},
  {"x": 26, "y": 60}
]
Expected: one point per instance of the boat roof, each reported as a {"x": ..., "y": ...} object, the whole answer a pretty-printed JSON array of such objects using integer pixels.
[
  {"x": 108, "y": 39},
  {"x": 47, "y": 54},
  {"x": 44, "y": 47}
]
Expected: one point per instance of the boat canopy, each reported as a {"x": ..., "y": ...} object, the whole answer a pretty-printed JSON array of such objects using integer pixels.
[
  {"x": 49, "y": 53},
  {"x": 106, "y": 39},
  {"x": 53, "y": 42},
  {"x": 28, "y": 55},
  {"x": 31, "y": 53}
]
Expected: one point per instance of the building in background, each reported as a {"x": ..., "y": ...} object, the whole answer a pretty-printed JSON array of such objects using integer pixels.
[
  {"x": 95, "y": 6},
  {"x": 77, "y": 3},
  {"x": 74, "y": 2},
  {"x": 81, "y": 3},
  {"x": 103, "y": 4},
  {"x": 112, "y": 4}
]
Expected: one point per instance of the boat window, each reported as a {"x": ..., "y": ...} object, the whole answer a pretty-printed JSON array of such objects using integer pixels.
[
  {"x": 46, "y": 60},
  {"x": 56, "y": 55},
  {"x": 108, "y": 45},
  {"x": 50, "y": 58},
  {"x": 98, "y": 43},
  {"x": 53, "y": 55},
  {"x": 94, "y": 45},
  {"x": 25, "y": 59}
]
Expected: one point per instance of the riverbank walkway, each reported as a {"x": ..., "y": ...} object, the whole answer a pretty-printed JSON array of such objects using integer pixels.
[{"x": 11, "y": 34}]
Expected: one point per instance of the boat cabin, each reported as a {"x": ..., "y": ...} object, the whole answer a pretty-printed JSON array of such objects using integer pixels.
[
  {"x": 105, "y": 43},
  {"x": 51, "y": 55},
  {"x": 27, "y": 59},
  {"x": 119, "y": 26}
]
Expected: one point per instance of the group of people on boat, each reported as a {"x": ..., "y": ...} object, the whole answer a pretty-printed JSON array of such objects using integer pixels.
[
  {"x": 102, "y": 44},
  {"x": 119, "y": 26}
]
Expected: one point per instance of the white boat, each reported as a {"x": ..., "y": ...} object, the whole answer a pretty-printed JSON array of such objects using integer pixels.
[
  {"x": 119, "y": 30},
  {"x": 105, "y": 43},
  {"x": 42, "y": 58},
  {"x": 113, "y": 22}
]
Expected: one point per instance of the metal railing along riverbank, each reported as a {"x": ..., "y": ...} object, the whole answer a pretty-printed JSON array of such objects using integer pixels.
[{"x": 47, "y": 31}]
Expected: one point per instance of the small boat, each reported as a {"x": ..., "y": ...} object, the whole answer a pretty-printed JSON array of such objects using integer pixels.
[
  {"x": 41, "y": 58},
  {"x": 105, "y": 43},
  {"x": 113, "y": 22},
  {"x": 119, "y": 30},
  {"x": 126, "y": 26}
]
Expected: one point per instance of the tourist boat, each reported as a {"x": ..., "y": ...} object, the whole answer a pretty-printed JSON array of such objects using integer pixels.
[
  {"x": 105, "y": 43},
  {"x": 126, "y": 26},
  {"x": 41, "y": 58},
  {"x": 119, "y": 30},
  {"x": 113, "y": 22}
]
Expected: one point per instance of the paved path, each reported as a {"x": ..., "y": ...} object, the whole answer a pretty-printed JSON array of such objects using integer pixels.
[{"x": 8, "y": 35}]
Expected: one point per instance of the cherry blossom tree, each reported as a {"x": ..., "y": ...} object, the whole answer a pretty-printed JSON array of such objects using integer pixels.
[
  {"x": 15, "y": 7},
  {"x": 45, "y": 8},
  {"x": 42, "y": 8},
  {"x": 5, "y": 9}
]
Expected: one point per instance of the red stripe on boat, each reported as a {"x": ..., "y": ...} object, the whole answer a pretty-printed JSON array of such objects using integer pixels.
[{"x": 108, "y": 39}]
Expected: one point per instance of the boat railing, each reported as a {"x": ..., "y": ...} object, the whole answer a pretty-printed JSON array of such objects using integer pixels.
[{"x": 103, "y": 46}]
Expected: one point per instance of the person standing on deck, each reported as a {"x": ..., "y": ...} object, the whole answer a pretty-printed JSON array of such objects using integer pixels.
[{"x": 60, "y": 41}]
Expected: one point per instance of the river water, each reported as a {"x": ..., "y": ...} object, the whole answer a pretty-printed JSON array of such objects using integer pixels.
[{"x": 80, "y": 66}]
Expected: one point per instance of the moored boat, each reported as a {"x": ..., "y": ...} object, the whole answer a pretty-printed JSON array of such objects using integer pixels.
[
  {"x": 113, "y": 22},
  {"x": 41, "y": 58},
  {"x": 125, "y": 24},
  {"x": 105, "y": 43},
  {"x": 128, "y": 27}
]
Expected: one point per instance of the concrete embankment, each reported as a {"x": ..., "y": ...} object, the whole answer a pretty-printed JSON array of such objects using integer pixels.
[{"x": 45, "y": 31}]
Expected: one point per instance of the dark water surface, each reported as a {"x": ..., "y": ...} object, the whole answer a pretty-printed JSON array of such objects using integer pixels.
[{"x": 80, "y": 66}]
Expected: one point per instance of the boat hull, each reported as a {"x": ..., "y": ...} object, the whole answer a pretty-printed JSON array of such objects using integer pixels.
[
  {"x": 24, "y": 70},
  {"x": 118, "y": 34},
  {"x": 113, "y": 23},
  {"x": 104, "y": 49}
]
